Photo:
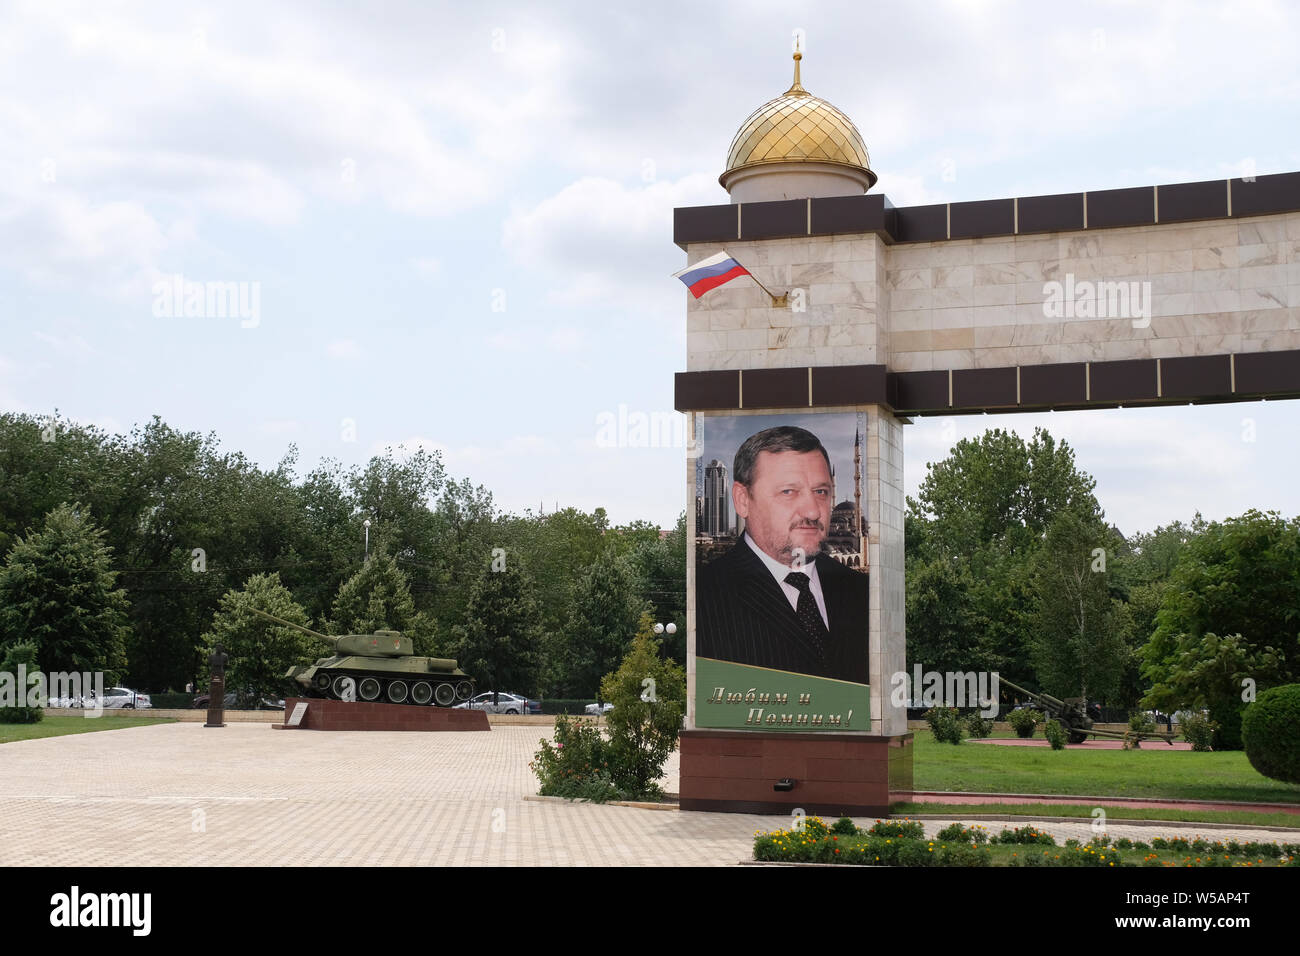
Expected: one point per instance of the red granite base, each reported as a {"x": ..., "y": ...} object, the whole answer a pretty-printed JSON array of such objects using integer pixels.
[
  {"x": 734, "y": 771},
  {"x": 361, "y": 715}
]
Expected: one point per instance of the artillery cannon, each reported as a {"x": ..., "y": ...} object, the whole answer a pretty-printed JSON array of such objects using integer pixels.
[
  {"x": 378, "y": 666},
  {"x": 1072, "y": 715}
]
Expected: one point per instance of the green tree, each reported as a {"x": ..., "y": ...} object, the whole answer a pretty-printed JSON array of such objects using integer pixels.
[
  {"x": 58, "y": 591},
  {"x": 1239, "y": 577},
  {"x": 1077, "y": 644},
  {"x": 649, "y": 698},
  {"x": 972, "y": 534},
  {"x": 377, "y": 598},
  {"x": 501, "y": 641},
  {"x": 660, "y": 565},
  {"x": 606, "y": 612},
  {"x": 260, "y": 651},
  {"x": 15, "y": 656}
]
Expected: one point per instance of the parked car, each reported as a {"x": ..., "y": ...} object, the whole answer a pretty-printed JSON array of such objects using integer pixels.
[
  {"x": 502, "y": 703},
  {"x": 598, "y": 710},
  {"x": 242, "y": 701},
  {"x": 119, "y": 698}
]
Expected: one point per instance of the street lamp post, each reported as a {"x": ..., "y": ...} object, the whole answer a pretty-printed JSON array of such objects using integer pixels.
[{"x": 366, "y": 525}]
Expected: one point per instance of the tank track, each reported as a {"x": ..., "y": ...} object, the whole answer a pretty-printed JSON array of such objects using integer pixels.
[{"x": 417, "y": 690}]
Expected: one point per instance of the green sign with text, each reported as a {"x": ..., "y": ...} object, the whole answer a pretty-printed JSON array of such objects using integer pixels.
[{"x": 740, "y": 697}]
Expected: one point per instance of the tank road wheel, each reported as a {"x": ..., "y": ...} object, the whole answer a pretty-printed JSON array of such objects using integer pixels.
[
  {"x": 464, "y": 690},
  {"x": 322, "y": 682},
  {"x": 368, "y": 689},
  {"x": 421, "y": 692},
  {"x": 397, "y": 691},
  {"x": 445, "y": 694},
  {"x": 344, "y": 688}
]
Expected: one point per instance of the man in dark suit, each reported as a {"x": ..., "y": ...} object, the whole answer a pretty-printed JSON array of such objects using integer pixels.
[{"x": 775, "y": 599}]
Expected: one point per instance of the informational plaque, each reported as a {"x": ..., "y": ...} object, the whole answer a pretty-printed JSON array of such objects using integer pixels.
[{"x": 299, "y": 712}]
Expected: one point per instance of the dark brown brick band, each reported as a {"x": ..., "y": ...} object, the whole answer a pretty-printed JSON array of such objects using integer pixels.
[
  {"x": 1062, "y": 385},
  {"x": 1064, "y": 212}
]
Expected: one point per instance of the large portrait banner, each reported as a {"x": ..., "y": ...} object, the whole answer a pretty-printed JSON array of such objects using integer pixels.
[{"x": 781, "y": 572}]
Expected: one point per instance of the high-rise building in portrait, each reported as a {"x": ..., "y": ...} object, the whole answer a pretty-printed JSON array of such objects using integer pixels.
[{"x": 717, "y": 495}]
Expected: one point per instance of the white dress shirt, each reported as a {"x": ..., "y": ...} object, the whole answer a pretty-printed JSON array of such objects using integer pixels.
[{"x": 779, "y": 571}]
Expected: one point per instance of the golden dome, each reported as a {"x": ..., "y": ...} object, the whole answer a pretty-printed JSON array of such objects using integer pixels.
[{"x": 798, "y": 127}]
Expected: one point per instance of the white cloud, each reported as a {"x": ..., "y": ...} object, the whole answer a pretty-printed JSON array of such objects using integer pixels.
[
  {"x": 345, "y": 349},
  {"x": 601, "y": 241}
]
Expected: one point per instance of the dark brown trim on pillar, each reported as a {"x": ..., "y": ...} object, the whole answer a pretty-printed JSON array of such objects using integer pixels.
[
  {"x": 1060, "y": 213},
  {"x": 984, "y": 387},
  {"x": 704, "y": 224},
  {"x": 1267, "y": 194},
  {"x": 776, "y": 387},
  {"x": 834, "y": 215},
  {"x": 1122, "y": 207},
  {"x": 1130, "y": 380},
  {"x": 987, "y": 217},
  {"x": 1063, "y": 383},
  {"x": 774, "y": 220},
  {"x": 850, "y": 385},
  {"x": 695, "y": 391},
  {"x": 919, "y": 390},
  {"x": 1264, "y": 373},
  {"x": 922, "y": 223},
  {"x": 1196, "y": 376},
  {"x": 1182, "y": 202}
]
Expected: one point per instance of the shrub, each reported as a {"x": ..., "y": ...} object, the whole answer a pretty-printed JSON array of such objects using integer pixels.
[
  {"x": 1199, "y": 730},
  {"x": 649, "y": 698},
  {"x": 945, "y": 724},
  {"x": 1055, "y": 734},
  {"x": 1024, "y": 835},
  {"x": 978, "y": 726},
  {"x": 20, "y": 654},
  {"x": 1140, "y": 723},
  {"x": 844, "y": 826},
  {"x": 1023, "y": 722},
  {"x": 898, "y": 829},
  {"x": 580, "y": 764},
  {"x": 1270, "y": 731},
  {"x": 956, "y": 833}
]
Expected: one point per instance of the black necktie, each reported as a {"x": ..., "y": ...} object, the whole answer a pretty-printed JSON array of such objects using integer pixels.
[{"x": 807, "y": 612}]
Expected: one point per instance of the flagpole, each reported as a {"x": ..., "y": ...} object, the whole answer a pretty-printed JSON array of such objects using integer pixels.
[{"x": 778, "y": 301}]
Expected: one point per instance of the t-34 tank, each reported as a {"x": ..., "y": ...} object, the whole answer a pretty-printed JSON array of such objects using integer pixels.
[{"x": 378, "y": 667}]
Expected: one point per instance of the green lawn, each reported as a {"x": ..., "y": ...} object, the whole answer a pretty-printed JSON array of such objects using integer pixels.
[
  {"x": 58, "y": 726},
  {"x": 1114, "y": 814},
  {"x": 1153, "y": 771}
]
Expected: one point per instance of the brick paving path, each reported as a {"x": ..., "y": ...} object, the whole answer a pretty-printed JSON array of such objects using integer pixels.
[{"x": 182, "y": 794}]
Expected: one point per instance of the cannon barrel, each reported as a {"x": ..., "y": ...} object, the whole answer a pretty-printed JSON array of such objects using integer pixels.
[
  {"x": 333, "y": 641},
  {"x": 1047, "y": 699}
]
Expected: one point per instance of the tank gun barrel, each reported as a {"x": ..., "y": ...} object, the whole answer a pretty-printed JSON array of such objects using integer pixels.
[{"x": 297, "y": 627}]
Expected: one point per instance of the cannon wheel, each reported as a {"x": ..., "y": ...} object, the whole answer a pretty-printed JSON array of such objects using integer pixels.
[{"x": 1076, "y": 736}]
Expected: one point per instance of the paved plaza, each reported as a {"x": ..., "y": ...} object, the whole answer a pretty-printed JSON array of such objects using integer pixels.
[{"x": 182, "y": 794}]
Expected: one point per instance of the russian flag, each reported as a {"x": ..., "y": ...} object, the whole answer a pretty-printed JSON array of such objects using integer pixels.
[{"x": 710, "y": 273}]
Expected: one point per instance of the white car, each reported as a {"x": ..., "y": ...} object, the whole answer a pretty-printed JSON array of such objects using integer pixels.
[
  {"x": 501, "y": 703},
  {"x": 121, "y": 698},
  {"x": 598, "y": 710}
]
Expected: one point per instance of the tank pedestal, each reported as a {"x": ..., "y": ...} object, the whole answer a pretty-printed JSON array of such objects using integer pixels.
[{"x": 360, "y": 715}]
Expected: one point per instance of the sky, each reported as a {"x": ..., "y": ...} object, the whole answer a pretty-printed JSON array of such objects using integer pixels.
[{"x": 451, "y": 224}]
